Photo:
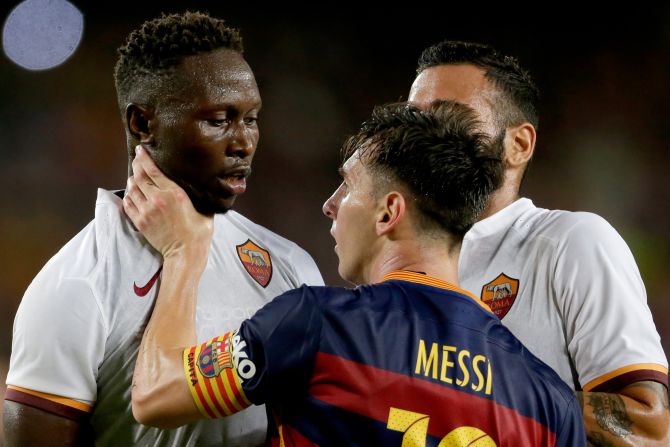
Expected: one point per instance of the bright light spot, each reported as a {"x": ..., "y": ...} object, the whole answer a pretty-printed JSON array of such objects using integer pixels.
[{"x": 41, "y": 34}]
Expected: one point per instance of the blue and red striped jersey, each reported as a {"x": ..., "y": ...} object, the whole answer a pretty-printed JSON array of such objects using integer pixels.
[{"x": 412, "y": 360}]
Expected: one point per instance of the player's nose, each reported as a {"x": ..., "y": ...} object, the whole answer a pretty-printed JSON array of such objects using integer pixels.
[
  {"x": 243, "y": 141},
  {"x": 331, "y": 204}
]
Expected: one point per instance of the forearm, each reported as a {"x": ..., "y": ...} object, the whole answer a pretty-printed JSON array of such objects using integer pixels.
[
  {"x": 160, "y": 393},
  {"x": 638, "y": 415}
]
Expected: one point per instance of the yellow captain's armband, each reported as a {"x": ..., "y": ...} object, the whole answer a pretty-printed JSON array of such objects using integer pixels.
[{"x": 212, "y": 373}]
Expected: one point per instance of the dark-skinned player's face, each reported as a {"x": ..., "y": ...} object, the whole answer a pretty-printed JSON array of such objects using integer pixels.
[{"x": 206, "y": 130}]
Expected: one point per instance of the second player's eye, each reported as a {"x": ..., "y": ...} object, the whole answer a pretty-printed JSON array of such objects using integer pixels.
[{"x": 217, "y": 122}]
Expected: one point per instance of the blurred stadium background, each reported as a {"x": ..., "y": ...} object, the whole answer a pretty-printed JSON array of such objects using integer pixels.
[{"x": 603, "y": 138}]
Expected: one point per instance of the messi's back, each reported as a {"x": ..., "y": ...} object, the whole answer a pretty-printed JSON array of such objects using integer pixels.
[{"x": 415, "y": 358}]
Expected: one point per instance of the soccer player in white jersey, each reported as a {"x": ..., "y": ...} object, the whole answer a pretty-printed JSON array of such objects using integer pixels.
[
  {"x": 565, "y": 283},
  {"x": 187, "y": 95}
]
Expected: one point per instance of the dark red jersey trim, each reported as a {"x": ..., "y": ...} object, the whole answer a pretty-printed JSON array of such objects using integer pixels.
[
  {"x": 622, "y": 381},
  {"x": 45, "y": 405}
]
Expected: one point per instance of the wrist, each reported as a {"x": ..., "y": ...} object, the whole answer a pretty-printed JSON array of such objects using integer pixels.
[{"x": 187, "y": 256}]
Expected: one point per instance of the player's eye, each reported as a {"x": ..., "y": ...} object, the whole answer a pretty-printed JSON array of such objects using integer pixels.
[{"x": 217, "y": 122}]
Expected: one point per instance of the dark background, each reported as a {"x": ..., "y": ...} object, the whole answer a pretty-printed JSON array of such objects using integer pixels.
[{"x": 602, "y": 147}]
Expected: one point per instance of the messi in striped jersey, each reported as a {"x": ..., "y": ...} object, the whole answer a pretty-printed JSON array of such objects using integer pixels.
[{"x": 405, "y": 359}]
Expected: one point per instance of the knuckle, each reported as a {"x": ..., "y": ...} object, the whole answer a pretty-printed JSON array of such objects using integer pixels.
[
  {"x": 159, "y": 203},
  {"x": 180, "y": 195},
  {"x": 152, "y": 170},
  {"x": 140, "y": 223}
]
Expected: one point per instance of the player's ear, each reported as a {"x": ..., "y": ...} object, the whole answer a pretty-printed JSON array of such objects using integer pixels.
[
  {"x": 139, "y": 121},
  {"x": 390, "y": 212},
  {"x": 519, "y": 144}
]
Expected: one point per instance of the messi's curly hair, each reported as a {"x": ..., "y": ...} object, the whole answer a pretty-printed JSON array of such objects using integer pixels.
[{"x": 152, "y": 51}]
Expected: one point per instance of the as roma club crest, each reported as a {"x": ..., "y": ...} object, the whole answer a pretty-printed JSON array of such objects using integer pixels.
[
  {"x": 256, "y": 262},
  {"x": 500, "y": 294}
]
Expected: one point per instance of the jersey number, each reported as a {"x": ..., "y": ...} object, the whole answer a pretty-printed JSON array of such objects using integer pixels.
[{"x": 415, "y": 427}]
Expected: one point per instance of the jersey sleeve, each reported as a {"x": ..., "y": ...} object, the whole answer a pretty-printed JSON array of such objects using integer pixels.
[
  {"x": 269, "y": 357},
  {"x": 58, "y": 343},
  {"x": 610, "y": 332}
]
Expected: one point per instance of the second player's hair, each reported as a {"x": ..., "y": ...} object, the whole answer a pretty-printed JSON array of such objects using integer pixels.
[
  {"x": 519, "y": 96},
  {"x": 439, "y": 157}
]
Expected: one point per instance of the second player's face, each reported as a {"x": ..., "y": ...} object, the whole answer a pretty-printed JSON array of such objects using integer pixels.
[
  {"x": 462, "y": 83},
  {"x": 207, "y": 131},
  {"x": 352, "y": 208}
]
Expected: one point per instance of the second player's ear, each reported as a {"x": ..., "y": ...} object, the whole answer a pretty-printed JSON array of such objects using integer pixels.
[
  {"x": 520, "y": 144},
  {"x": 139, "y": 121},
  {"x": 390, "y": 212}
]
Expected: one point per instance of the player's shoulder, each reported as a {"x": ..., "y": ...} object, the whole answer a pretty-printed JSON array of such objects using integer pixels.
[
  {"x": 521, "y": 362},
  {"x": 289, "y": 253},
  {"x": 307, "y": 300},
  {"x": 326, "y": 299},
  {"x": 549, "y": 378},
  {"x": 80, "y": 256},
  {"x": 565, "y": 226},
  {"x": 246, "y": 225},
  {"x": 72, "y": 278},
  {"x": 328, "y": 296},
  {"x": 86, "y": 257}
]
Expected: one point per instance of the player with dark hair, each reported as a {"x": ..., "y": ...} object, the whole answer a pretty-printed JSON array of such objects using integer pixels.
[
  {"x": 185, "y": 93},
  {"x": 565, "y": 283},
  {"x": 407, "y": 359}
]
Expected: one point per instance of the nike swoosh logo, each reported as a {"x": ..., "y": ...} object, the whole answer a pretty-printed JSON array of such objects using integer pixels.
[{"x": 142, "y": 291}]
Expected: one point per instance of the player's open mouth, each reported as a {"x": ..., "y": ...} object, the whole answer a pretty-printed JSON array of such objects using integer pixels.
[{"x": 236, "y": 182}]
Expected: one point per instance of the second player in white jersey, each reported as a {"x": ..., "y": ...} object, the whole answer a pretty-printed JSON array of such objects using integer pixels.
[
  {"x": 78, "y": 328},
  {"x": 567, "y": 286}
]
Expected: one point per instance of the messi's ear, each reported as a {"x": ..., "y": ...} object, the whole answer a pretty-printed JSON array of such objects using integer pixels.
[
  {"x": 140, "y": 121},
  {"x": 391, "y": 211}
]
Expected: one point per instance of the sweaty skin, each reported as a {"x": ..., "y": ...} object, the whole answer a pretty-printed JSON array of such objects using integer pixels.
[{"x": 204, "y": 134}]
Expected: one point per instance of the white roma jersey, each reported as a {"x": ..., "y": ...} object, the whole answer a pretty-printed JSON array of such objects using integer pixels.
[
  {"x": 566, "y": 284},
  {"x": 78, "y": 328}
]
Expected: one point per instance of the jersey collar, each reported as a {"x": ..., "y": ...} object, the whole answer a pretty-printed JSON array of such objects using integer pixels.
[
  {"x": 422, "y": 278},
  {"x": 504, "y": 218}
]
